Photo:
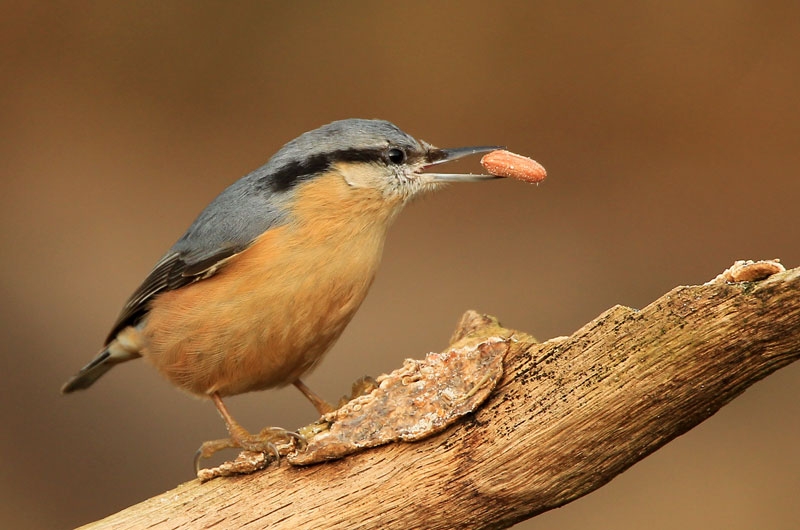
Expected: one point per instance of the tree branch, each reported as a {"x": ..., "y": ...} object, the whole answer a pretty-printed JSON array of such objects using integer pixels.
[{"x": 565, "y": 418}]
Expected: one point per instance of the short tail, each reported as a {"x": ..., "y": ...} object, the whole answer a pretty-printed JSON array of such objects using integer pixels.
[{"x": 113, "y": 354}]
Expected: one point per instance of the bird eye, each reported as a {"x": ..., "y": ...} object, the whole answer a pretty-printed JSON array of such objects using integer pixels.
[{"x": 395, "y": 155}]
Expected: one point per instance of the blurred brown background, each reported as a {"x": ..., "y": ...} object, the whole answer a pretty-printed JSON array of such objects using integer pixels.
[{"x": 670, "y": 133}]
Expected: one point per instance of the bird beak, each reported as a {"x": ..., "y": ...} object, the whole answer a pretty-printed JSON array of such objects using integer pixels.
[{"x": 437, "y": 156}]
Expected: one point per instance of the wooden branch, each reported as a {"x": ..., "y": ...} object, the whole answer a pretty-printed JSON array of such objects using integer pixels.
[{"x": 566, "y": 417}]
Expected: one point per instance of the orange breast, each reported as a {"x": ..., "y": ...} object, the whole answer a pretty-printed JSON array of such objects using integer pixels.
[{"x": 273, "y": 310}]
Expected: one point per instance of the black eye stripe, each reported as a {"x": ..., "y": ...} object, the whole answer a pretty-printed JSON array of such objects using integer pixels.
[{"x": 292, "y": 173}]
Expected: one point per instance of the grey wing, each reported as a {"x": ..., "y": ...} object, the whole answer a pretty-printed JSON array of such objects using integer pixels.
[
  {"x": 225, "y": 228},
  {"x": 172, "y": 272}
]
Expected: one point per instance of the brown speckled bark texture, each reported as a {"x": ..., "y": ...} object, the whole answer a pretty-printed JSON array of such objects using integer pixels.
[{"x": 567, "y": 416}]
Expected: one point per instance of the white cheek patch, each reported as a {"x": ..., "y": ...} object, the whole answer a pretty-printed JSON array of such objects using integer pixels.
[
  {"x": 362, "y": 175},
  {"x": 388, "y": 181}
]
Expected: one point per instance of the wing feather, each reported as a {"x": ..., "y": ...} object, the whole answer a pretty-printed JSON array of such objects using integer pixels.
[{"x": 173, "y": 271}]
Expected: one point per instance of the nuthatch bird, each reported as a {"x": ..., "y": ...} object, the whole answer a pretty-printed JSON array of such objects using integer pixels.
[{"x": 267, "y": 277}]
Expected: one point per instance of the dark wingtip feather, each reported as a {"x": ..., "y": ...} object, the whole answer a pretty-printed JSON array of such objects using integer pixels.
[{"x": 90, "y": 373}]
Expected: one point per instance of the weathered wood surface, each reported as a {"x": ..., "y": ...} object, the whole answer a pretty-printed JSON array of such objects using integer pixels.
[{"x": 567, "y": 416}]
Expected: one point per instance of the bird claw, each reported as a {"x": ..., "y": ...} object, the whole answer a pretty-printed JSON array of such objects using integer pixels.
[
  {"x": 266, "y": 441},
  {"x": 361, "y": 387}
]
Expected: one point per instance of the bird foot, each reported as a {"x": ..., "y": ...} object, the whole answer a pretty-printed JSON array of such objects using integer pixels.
[
  {"x": 363, "y": 386},
  {"x": 271, "y": 441}
]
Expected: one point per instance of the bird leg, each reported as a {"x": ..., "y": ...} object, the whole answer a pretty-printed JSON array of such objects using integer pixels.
[
  {"x": 322, "y": 406},
  {"x": 263, "y": 442},
  {"x": 363, "y": 386}
]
